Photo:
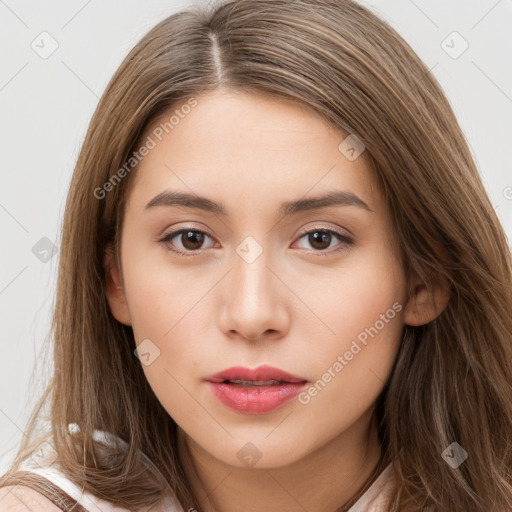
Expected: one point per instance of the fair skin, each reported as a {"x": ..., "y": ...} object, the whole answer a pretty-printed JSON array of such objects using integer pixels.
[
  {"x": 297, "y": 307},
  {"x": 18, "y": 498}
]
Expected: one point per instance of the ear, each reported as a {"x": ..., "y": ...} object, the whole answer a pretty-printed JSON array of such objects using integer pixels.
[
  {"x": 426, "y": 303},
  {"x": 114, "y": 288}
]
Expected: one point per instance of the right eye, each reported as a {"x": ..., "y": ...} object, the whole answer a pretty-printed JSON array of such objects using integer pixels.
[{"x": 191, "y": 241}]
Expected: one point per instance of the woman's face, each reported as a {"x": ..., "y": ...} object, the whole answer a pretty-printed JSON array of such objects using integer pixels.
[{"x": 288, "y": 263}]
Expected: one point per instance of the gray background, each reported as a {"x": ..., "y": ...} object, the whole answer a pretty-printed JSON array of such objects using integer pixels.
[{"x": 46, "y": 104}]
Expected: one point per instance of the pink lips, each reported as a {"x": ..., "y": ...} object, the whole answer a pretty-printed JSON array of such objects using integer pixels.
[{"x": 255, "y": 391}]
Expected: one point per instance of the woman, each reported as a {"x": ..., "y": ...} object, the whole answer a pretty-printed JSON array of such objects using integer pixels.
[{"x": 272, "y": 371}]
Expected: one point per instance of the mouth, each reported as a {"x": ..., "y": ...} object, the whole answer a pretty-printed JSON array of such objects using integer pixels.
[
  {"x": 249, "y": 383},
  {"x": 255, "y": 391},
  {"x": 262, "y": 376}
]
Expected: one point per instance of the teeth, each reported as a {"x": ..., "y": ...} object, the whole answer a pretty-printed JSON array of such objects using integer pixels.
[{"x": 255, "y": 382}]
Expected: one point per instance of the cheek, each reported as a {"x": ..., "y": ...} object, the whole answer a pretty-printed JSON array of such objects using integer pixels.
[
  {"x": 160, "y": 292},
  {"x": 363, "y": 306},
  {"x": 167, "y": 320},
  {"x": 353, "y": 297},
  {"x": 166, "y": 310},
  {"x": 168, "y": 313}
]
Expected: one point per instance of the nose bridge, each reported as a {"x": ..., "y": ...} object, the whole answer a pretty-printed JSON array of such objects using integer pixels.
[
  {"x": 252, "y": 276},
  {"x": 254, "y": 302}
]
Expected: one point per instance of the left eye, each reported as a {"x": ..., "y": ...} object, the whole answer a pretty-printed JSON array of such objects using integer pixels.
[
  {"x": 318, "y": 238},
  {"x": 192, "y": 240}
]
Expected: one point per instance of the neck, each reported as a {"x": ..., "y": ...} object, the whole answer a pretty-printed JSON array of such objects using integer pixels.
[{"x": 324, "y": 480}]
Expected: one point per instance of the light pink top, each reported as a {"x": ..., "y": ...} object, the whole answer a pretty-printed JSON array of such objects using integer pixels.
[{"x": 44, "y": 463}]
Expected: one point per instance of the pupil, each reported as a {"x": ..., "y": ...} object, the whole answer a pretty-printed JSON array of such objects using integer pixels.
[
  {"x": 193, "y": 240},
  {"x": 320, "y": 239}
]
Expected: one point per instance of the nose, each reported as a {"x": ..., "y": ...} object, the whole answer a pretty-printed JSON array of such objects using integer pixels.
[{"x": 255, "y": 301}]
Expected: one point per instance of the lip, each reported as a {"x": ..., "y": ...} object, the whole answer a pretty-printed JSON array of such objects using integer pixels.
[
  {"x": 257, "y": 398},
  {"x": 264, "y": 372}
]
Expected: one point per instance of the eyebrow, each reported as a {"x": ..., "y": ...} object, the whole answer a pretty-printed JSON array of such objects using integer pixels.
[{"x": 334, "y": 198}]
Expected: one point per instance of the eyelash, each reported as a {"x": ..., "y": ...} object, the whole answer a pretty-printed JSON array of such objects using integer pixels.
[{"x": 343, "y": 238}]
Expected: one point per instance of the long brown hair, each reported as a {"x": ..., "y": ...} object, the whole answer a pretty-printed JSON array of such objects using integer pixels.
[{"x": 452, "y": 380}]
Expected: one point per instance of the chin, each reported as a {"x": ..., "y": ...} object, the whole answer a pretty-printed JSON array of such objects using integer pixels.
[{"x": 261, "y": 453}]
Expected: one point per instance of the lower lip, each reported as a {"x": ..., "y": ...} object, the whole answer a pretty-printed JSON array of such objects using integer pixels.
[{"x": 255, "y": 399}]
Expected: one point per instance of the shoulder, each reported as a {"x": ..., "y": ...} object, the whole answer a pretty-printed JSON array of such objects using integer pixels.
[
  {"x": 18, "y": 498},
  {"x": 41, "y": 475}
]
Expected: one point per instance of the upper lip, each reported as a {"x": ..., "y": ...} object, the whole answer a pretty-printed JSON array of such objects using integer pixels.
[{"x": 262, "y": 373}]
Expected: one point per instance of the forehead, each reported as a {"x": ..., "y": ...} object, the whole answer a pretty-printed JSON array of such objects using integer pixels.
[{"x": 237, "y": 143}]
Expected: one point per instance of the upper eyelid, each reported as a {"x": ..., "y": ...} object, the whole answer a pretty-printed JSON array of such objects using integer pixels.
[{"x": 324, "y": 228}]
